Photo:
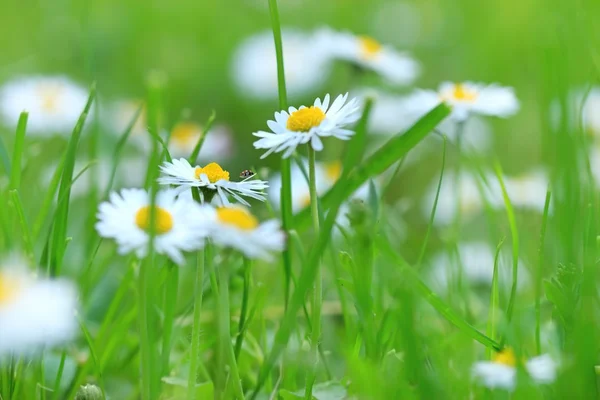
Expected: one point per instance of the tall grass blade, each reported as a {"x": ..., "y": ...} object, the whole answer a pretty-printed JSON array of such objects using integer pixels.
[
  {"x": 15, "y": 170},
  {"x": 209, "y": 123}
]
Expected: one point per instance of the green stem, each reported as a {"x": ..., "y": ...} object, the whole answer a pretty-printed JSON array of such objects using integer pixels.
[
  {"x": 193, "y": 372},
  {"x": 538, "y": 275},
  {"x": 59, "y": 375},
  {"x": 15, "y": 171},
  {"x": 224, "y": 326},
  {"x": 244, "y": 310},
  {"x": 317, "y": 299},
  {"x": 171, "y": 289},
  {"x": 144, "y": 337}
]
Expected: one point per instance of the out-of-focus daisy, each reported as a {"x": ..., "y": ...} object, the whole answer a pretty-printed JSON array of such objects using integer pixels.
[
  {"x": 211, "y": 179},
  {"x": 396, "y": 67},
  {"x": 237, "y": 228},
  {"x": 307, "y": 64},
  {"x": 582, "y": 111},
  {"x": 178, "y": 223},
  {"x": 528, "y": 191},
  {"x": 34, "y": 313},
  {"x": 185, "y": 135},
  {"x": 54, "y": 103},
  {"x": 120, "y": 114},
  {"x": 501, "y": 371},
  {"x": 468, "y": 98},
  {"x": 309, "y": 124}
]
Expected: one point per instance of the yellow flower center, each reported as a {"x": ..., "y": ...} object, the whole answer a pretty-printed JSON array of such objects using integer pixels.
[
  {"x": 461, "y": 93},
  {"x": 213, "y": 171},
  {"x": 333, "y": 170},
  {"x": 305, "y": 200},
  {"x": 185, "y": 134},
  {"x": 9, "y": 288},
  {"x": 305, "y": 118},
  {"x": 163, "y": 219},
  {"x": 369, "y": 47},
  {"x": 49, "y": 97},
  {"x": 237, "y": 217},
  {"x": 505, "y": 357}
]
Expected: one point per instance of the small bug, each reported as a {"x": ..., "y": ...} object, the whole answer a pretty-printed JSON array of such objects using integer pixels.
[{"x": 246, "y": 174}]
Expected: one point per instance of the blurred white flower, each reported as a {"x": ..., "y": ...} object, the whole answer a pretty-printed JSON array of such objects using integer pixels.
[
  {"x": 237, "y": 228},
  {"x": 308, "y": 125},
  {"x": 307, "y": 63},
  {"x": 211, "y": 177},
  {"x": 466, "y": 99},
  {"x": 54, "y": 104},
  {"x": 178, "y": 225},
  {"x": 119, "y": 116},
  {"x": 528, "y": 190},
  {"x": 396, "y": 67},
  {"x": 35, "y": 313},
  {"x": 185, "y": 135},
  {"x": 582, "y": 109},
  {"x": 501, "y": 372}
]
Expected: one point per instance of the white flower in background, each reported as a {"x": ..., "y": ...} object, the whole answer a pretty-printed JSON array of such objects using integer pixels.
[
  {"x": 582, "y": 108},
  {"x": 307, "y": 64},
  {"x": 501, "y": 372},
  {"x": 185, "y": 135},
  {"x": 474, "y": 261},
  {"x": 466, "y": 99},
  {"x": 308, "y": 125},
  {"x": 528, "y": 191},
  {"x": 54, "y": 103},
  {"x": 34, "y": 313},
  {"x": 396, "y": 67},
  {"x": 213, "y": 178},
  {"x": 237, "y": 228},
  {"x": 120, "y": 114},
  {"x": 178, "y": 223}
]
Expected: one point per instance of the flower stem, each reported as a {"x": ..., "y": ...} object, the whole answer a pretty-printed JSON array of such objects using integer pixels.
[
  {"x": 244, "y": 311},
  {"x": 193, "y": 372},
  {"x": 317, "y": 299},
  {"x": 144, "y": 337}
]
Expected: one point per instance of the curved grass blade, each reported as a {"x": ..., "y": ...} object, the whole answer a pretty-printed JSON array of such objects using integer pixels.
[
  {"x": 16, "y": 200},
  {"x": 198, "y": 147},
  {"x": 538, "y": 272},
  {"x": 494, "y": 298},
  {"x": 15, "y": 170}
]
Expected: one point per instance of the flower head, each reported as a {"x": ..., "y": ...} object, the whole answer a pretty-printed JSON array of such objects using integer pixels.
[
  {"x": 178, "y": 223},
  {"x": 54, "y": 103},
  {"x": 308, "y": 125},
  {"x": 212, "y": 177},
  {"x": 237, "y": 228},
  {"x": 34, "y": 312}
]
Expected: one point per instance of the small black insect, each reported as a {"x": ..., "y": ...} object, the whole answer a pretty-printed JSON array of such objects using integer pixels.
[{"x": 245, "y": 174}]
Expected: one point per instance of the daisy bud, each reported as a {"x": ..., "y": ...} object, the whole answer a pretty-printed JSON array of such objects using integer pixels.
[{"x": 89, "y": 392}]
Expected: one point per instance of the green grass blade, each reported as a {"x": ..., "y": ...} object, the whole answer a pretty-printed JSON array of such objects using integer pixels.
[
  {"x": 358, "y": 144},
  {"x": 16, "y": 200},
  {"x": 494, "y": 298},
  {"x": 47, "y": 202},
  {"x": 15, "y": 170},
  {"x": 378, "y": 162},
  {"x": 4, "y": 159},
  {"x": 209, "y": 123},
  {"x": 538, "y": 273}
]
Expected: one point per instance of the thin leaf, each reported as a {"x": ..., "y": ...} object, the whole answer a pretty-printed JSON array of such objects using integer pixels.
[
  {"x": 494, "y": 298},
  {"x": 538, "y": 274},
  {"x": 15, "y": 171},
  {"x": 198, "y": 147}
]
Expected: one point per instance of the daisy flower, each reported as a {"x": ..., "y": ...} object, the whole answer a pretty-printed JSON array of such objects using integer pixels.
[
  {"x": 468, "y": 98},
  {"x": 309, "y": 124},
  {"x": 211, "y": 179},
  {"x": 35, "y": 313},
  {"x": 396, "y": 67},
  {"x": 501, "y": 372},
  {"x": 307, "y": 64},
  {"x": 528, "y": 191},
  {"x": 237, "y": 228},
  {"x": 54, "y": 103},
  {"x": 178, "y": 226},
  {"x": 121, "y": 113},
  {"x": 185, "y": 135}
]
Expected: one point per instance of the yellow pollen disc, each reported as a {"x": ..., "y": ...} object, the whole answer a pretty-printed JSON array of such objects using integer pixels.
[
  {"x": 185, "y": 134},
  {"x": 163, "y": 219},
  {"x": 49, "y": 97},
  {"x": 505, "y": 357},
  {"x": 213, "y": 171},
  {"x": 333, "y": 170},
  {"x": 305, "y": 118},
  {"x": 369, "y": 47},
  {"x": 305, "y": 200},
  {"x": 9, "y": 289},
  {"x": 237, "y": 217},
  {"x": 462, "y": 93}
]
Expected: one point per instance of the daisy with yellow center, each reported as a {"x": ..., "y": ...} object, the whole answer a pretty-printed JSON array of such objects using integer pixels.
[
  {"x": 236, "y": 228},
  {"x": 366, "y": 52},
  {"x": 212, "y": 180},
  {"x": 501, "y": 371},
  {"x": 185, "y": 135},
  {"x": 34, "y": 313},
  {"x": 54, "y": 103},
  {"x": 307, "y": 125},
  {"x": 178, "y": 223}
]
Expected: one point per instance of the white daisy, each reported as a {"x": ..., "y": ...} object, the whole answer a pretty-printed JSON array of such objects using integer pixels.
[
  {"x": 54, "y": 103},
  {"x": 396, "y": 67},
  {"x": 120, "y": 114},
  {"x": 582, "y": 108},
  {"x": 211, "y": 179},
  {"x": 468, "y": 98},
  {"x": 501, "y": 372},
  {"x": 307, "y": 63},
  {"x": 309, "y": 124},
  {"x": 179, "y": 223},
  {"x": 237, "y": 228},
  {"x": 528, "y": 191},
  {"x": 34, "y": 313},
  {"x": 185, "y": 135},
  {"x": 591, "y": 112}
]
